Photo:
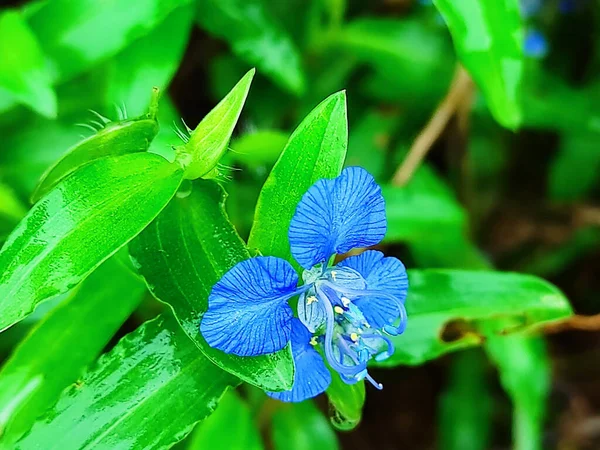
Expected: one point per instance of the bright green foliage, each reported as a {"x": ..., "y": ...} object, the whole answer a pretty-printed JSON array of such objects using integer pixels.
[
  {"x": 68, "y": 31},
  {"x": 454, "y": 309},
  {"x": 31, "y": 380},
  {"x": 152, "y": 372},
  {"x": 301, "y": 426},
  {"x": 24, "y": 75},
  {"x": 113, "y": 139},
  {"x": 315, "y": 150},
  {"x": 488, "y": 38},
  {"x": 230, "y": 427},
  {"x": 79, "y": 224},
  {"x": 182, "y": 254},
  {"x": 208, "y": 142},
  {"x": 255, "y": 36},
  {"x": 260, "y": 148}
]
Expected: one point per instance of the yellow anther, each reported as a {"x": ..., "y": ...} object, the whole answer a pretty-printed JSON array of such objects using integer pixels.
[
  {"x": 311, "y": 299},
  {"x": 338, "y": 309},
  {"x": 333, "y": 274},
  {"x": 354, "y": 337},
  {"x": 345, "y": 301},
  {"x": 313, "y": 340}
]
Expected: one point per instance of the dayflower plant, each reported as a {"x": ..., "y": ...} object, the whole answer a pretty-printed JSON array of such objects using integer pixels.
[{"x": 345, "y": 312}]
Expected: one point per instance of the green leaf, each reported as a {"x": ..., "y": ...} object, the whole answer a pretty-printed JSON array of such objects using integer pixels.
[
  {"x": 79, "y": 224},
  {"x": 346, "y": 402},
  {"x": 74, "y": 34},
  {"x": 525, "y": 374},
  {"x": 256, "y": 37},
  {"x": 114, "y": 139},
  {"x": 182, "y": 254},
  {"x": 315, "y": 150},
  {"x": 448, "y": 309},
  {"x": 72, "y": 335},
  {"x": 467, "y": 405},
  {"x": 150, "y": 61},
  {"x": 576, "y": 167},
  {"x": 24, "y": 75},
  {"x": 208, "y": 142},
  {"x": 230, "y": 427},
  {"x": 301, "y": 426},
  {"x": 10, "y": 206},
  {"x": 148, "y": 392},
  {"x": 488, "y": 37},
  {"x": 259, "y": 148}
]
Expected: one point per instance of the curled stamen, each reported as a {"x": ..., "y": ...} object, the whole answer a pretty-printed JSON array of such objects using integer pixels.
[
  {"x": 366, "y": 293},
  {"x": 341, "y": 368}
]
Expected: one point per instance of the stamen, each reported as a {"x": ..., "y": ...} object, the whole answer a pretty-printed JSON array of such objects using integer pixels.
[
  {"x": 345, "y": 301},
  {"x": 373, "y": 382},
  {"x": 338, "y": 310},
  {"x": 337, "y": 366},
  {"x": 354, "y": 337},
  {"x": 313, "y": 341},
  {"x": 311, "y": 299},
  {"x": 333, "y": 275}
]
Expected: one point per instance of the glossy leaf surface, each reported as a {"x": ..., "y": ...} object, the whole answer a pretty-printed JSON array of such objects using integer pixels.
[
  {"x": 447, "y": 310},
  {"x": 315, "y": 150},
  {"x": 182, "y": 254},
  {"x": 148, "y": 392},
  {"x": 24, "y": 75},
  {"x": 208, "y": 142},
  {"x": 78, "y": 225},
  {"x": 114, "y": 139},
  {"x": 256, "y": 37},
  {"x": 301, "y": 426},
  {"x": 488, "y": 37},
  {"x": 63, "y": 344},
  {"x": 230, "y": 427}
]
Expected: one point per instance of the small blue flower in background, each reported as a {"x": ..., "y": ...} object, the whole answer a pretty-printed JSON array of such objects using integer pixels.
[
  {"x": 346, "y": 311},
  {"x": 536, "y": 45}
]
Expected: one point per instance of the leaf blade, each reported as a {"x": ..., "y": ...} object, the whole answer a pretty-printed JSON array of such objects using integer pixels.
[
  {"x": 59, "y": 242},
  {"x": 182, "y": 254}
]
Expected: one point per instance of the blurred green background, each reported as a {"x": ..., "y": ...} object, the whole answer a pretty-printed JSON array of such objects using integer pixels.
[{"x": 503, "y": 96}]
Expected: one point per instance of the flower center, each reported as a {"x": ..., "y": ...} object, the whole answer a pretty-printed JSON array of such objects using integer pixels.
[{"x": 328, "y": 311}]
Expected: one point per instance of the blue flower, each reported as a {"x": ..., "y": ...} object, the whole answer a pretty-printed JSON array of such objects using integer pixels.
[{"x": 345, "y": 313}]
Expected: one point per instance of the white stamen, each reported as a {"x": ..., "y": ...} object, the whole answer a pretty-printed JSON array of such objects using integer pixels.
[
  {"x": 311, "y": 299},
  {"x": 345, "y": 301}
]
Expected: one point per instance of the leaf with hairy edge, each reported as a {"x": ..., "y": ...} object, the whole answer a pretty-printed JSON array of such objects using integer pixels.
[
  {"x": 80, "y": 223},
  {"x": 488, "y": 37},
  {"x": 113, "y": 139},
  {"x": 182, "y": 254},
  {"x": 315, "y": 150},
  {"x": 75, "y": 331},
  {"x": 453, "y": 309},
  {"x": 148, "y": 392},
  {"x": 346, "y": 401},
  {"x": 208, "y": 142}
]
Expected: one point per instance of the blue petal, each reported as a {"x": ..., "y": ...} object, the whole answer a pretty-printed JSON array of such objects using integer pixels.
[
  {"x": 248, "y": 313},
  {"x": 312, "y": 376},
  {"x": 381, "y": 274},
  {"x": 335, "y": 216}
]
